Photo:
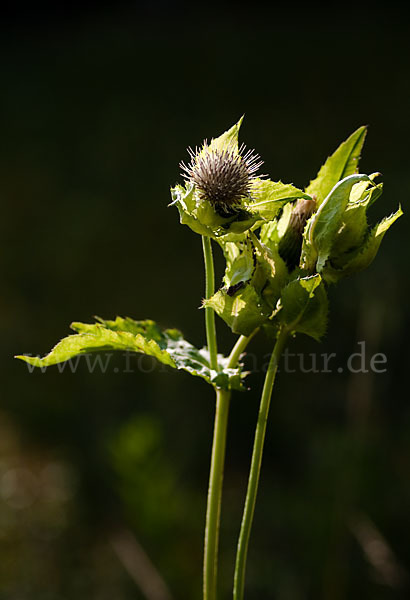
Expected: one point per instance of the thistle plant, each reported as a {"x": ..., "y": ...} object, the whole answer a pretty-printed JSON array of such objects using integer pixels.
[{"x": 283, "y": 248}]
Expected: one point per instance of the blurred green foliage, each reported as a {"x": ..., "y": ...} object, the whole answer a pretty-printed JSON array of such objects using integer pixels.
[{"x": 95, "y": 117}]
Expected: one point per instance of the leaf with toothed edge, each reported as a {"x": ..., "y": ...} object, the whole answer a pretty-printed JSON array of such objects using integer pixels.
[
  {"x": 362, "y": 257},
  {"x": 343, "y": 162},
  {"x": 321, "y": 229},
  {"x": 167, "y": 346},
  {"x": 229, "y": 139},
  {"x": 303, "y": 307}
]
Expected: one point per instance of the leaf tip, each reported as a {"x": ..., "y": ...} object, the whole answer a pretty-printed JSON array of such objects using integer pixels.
[{"x": 31, "y": 360}]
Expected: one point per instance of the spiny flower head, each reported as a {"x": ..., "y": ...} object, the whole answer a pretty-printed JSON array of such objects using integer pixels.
[{"x": 222, "y": 176}]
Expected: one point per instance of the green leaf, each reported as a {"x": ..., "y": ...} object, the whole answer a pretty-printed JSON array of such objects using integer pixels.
[
  {"x": 354, "y": 228},
  {"x": 270, "y": 196},
  {"x": 239, "y": 262},
  {"x": 365, "y": 192},
  {"x": 322, "y": 227},
  {"x": 199, "y": 216},
  {"x": 303, "y": 307},
  {"x": 168, "y": 346},
  {"x": 362, "y": 257},
  {"x": 270, "y": 274},
  {"x": 254, "y": 277},
  {"x": 343, "y": 162},
  {"x": 243, "y": 312},
  {"x": 228, "y": 140},
  {"x": 203, "y": 219},
  {"x": 271, "y": 233}
]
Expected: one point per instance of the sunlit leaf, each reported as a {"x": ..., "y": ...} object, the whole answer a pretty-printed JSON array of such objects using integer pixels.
[
  {"x": 343, "y": 162},
  {"x": 167, "y": 346},
  {"x": 271, "y": 233},
  {"x": 228, "y": 140},
  {"x": 304, "y": 307},
  {"x": 243, "y": 311},
  {"x": 354, "y": 226},
  {"x": 323, "y": 226},
  {"x": 270, "y": 196},
  {"x": 362, "y": 257}
]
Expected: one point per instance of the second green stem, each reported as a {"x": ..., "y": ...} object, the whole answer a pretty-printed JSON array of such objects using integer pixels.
[
  {"x": 251, "y": 493},
  {"x": 213, "y": 511}
]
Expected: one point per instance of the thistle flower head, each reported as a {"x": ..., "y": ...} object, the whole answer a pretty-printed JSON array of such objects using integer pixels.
[{"x": 222, "y": 176}]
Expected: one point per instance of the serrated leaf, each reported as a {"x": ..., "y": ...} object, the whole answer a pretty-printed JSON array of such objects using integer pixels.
[
  {"x": 321, "y": 229},
  {"x": 270, "y": 196},
  {"x": 228, "y": 140},
  {"x": 239, "y": 262},
  {"x": 254, "y": 277},
  {"x": 343, "y": 162},
  {"x": 199, "y": 216},
  {"x": 362, "y": 257},
  {"x": 354, "y": 227},
  {"x": 168, "y": 346},
  {"x": 304, "y": 307},
  {"x": 270, "y": 274},
  {"x": 364, "y": 193},
  {"x": 271, "y": 233},
  {"x": 243, "y": 312}
]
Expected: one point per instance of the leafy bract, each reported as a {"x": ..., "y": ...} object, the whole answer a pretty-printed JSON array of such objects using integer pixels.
[
  {"x": 323, "y": 226},
  {"x": 271, "y": 272},
  {"x": 197, "y": 214},
  {"x": 239, "y": 262},
  {"x": 267, "y": 199},
  {"x": 270, "y": 196},
  {"x": 243, "y": 312},
  {"x": 343, "y": 162},
  {"x": 254, "y": 277},
  {"x": 354, "y": 227},
  {"x": 167, "y": 346},
  {"x": 271, "y": 233},
  {"x": 348, "y": 245},
  {"x": 228, "y": 140},
  {"x": 303, "y": 306},
  {"x": 361, "y": 257}
]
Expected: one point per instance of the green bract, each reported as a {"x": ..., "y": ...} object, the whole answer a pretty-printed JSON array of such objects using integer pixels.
[
  {"x": 169, "y": 347},
  {"x": 253, "y": 280},
  {"x": 303, "y": 307},
  {"x": 338, "y": 240}
]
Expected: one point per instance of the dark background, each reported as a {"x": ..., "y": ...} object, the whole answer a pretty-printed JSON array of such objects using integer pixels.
[{"x": 97, "y": 106}]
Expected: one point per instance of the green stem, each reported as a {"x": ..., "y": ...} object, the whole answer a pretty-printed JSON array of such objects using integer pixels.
[
  {"x": 209, "y": 313},
  {"x": 239, "y": 347},
  {"x": 250, "y": 501},
  {"x": 213, "y": 510}
]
